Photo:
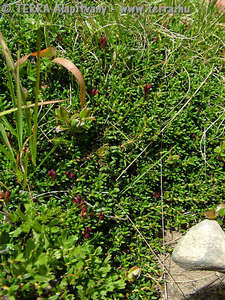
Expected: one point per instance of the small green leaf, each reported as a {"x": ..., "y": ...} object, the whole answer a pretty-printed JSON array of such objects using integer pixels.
[
  {"x": 16, "y": 232},
  {"x": 173, "y": 159},
  {"x": 42, "y": 278},
  {"x": 85, "y": 113},
  {"x": 133, "y": 273},
  {"x": 42, "y": 259},
  {"x": 36, "y": 226},
  {"x": 222, "y": 212},
  {"x": 220, "y": 209},
  {"x": 30, "y": 245},
  {"x": 54, "y": 297},
  {"x": 217, "y": 150}
]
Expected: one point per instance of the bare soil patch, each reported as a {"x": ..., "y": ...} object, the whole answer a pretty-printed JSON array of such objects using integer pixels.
[{"x": 191, "y": 285}]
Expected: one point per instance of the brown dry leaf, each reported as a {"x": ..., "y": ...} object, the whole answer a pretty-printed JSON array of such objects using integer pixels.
[
  {"x": 221, "y": 4},
  {"x": 21, "y": 60},
  {"x": 76, "y": 72},
  {"x": 210, "y": 215},
  {"x": 50, "y": 51}
]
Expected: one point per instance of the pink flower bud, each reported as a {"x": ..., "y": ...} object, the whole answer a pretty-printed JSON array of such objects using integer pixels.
[
  {"x": 147, "y": 88},
  {"x": 59, "y": 38},
  {"x": 52, "y": 174},
  {"x": 71, "y": 175},
  {"x": 79, "y": 198},
  {"x": 103, "y": 42},
  {"x": 86, "y": 235},
  {"x": 7, "y": 195},
  {"x": 2, "y": 195},
  {"x": 93, "y": 92},
  {"x": 157, "y": 195}
]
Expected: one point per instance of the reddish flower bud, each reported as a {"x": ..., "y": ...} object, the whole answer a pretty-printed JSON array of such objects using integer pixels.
[
  {"x": 86, "y": 235},
  {"x": 52, "y": 57},
  {"x": 84, "y": 212},
  {"x": 155, "y": 39},
  {"x": 52, "y": 174},
  {"x": 71, "y": 175},
  {"x": 100, "y": 216},
  {"x": 89, "y": 229},
  {"x": 2, "y": 195},
  {"x": 147, "y": 88},
  {"x": 93, "y": 92},
  {"x": 75, "y": 201},
  {"x": 59, "y": 38},
  {"x": 7, "y": 195},
  {"x": 84, "y": 209},
  {"x": 103, "y": 42},
  {"x": 157, "y": 195},
  {"x": 78, "y": 198}
]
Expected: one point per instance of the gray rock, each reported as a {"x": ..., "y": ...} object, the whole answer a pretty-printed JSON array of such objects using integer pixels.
[{"x": 202, "y": 248}]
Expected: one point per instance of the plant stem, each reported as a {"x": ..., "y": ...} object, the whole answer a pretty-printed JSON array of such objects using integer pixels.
[{"x": 34, "y": 140}]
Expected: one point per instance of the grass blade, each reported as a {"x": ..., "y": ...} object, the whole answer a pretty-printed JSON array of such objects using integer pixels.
[
  {"x": 8, "y": 126},
  {"x": 7, "y": 154},
  {"x": 35, "y": 117},
  {"x": 10, "y": 153},
  {"x": 7, "y": 55},
  {"x": 11, "y": 110},
  {"x": 19, "y": 112},
  {"x": 25, "y": 168},
  {"x": 11, "y": 88}
]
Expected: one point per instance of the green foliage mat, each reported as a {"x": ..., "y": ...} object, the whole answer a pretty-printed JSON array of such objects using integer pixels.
[{"x": 152, "y": 157}]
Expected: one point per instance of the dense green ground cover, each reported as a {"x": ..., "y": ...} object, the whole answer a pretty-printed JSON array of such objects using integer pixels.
[{"x": 155, "y": 85}]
